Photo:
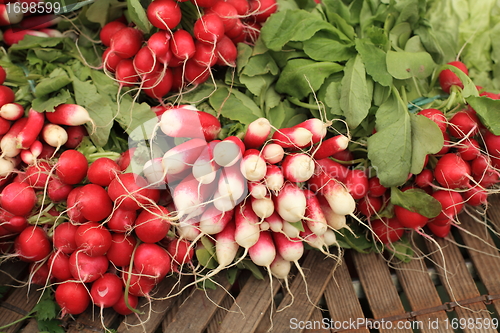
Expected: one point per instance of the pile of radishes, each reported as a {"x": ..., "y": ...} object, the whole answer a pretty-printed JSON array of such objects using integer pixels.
[{"x": 173, "y": 58}]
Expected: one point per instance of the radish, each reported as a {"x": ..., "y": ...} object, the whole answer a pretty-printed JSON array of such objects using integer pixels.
[
  {"x": 3, "y": 75},
  {"x": 59, "y": 266},
  {"x": 290, "y": 249},
  {"x": 226, "y": 12},
  {"x": 209, "y": 28},
  {"x": 226, "y": 246},
  {"x": 126, "y": 42},
  {"x": 121, "y": 307},
  {"x": 130, "y": 191},
  {"x": 64, "y": 237},
  {"x": 205, "y": 169},
  {"x": 263, "y": 252},
  {"x": 12, "y": 111},
  {"x": 102, "y": 171},
  {"x": 164, "y": 14},
  {"x": 469, "y": 149},
  {"x": 273, "y": 153},
  {"x": 242, "y": 6},
  {"x": 463, "y": 124},
  {"x": 94, "y": 203},
  {"x": 189, "y": 229},
  {"x": 106, "y": 290},
  {"x": 145, "y": 61},
  {"x": 152, "y": 225},
  {"x": 298, "y": 167},
  {"x": 159, "y": 43},
  {"x": 315, "y": 217},
  {"x": 73, "y": 211},
  {"x": 280, "y": 268},
  {"x": 72, "y": 297},
  {"x": 229, "y": 151},
  {"x": 334, "y": 220},
  {"x": 262, "y": 9},
  {"x": 126, "y": 74},
  {"x": 231, "y": 188},
  {"x": 263, "y": 208},
  {"x": 205, "y": 55},
  {"x": 253, "y": 166},
  {"x": 451, "y": 203},
  {"x": 274, "y": 179},
  {"x": 451, "y": 171},
  {"x": 6, "y": 95},
  {"x": 368, "y": 205},
  {"x": 447, "y": 78},
  {"x": 93, "y": 239},
  {"x": 247, "y": 226},
  {"x": 357, "y": 183},
  {"x": 226, "y": 52},
  {"x": 375, "y": 189},
  {"x": 4, "y": 126},
  {"x": 492, "y": 143},
  {"x": 257, "y": 190},
  {"x": 157, "y": 84},
  {"x": 108, "y": 30},
  {"x": 32, "y": 244},
  {"x": 153, "y": 172},
  {"x": 476, "y": 196},
  {"x": 183, "y": 156},
  {"x": 204, "y": 3},
  {"x": 30, "y": 155},
  {"x": 325, "y": 172},
  {"x": 14, "y": 36},
  {"x": 138, "y": 284},
  {"x": 18, "y": 198},
  {"x": 257, "y": 133},
  {"x": 275, "y": 222},
  {"x": 121, "y": 249},
  {"x": 330, "y": 146},
  {"x": 339, "y": 199},
  {"x": 110, "y": 59},
  {"x": 190, "y": 197},
  {"x": 290, "y": 230},
  {"x": 9, "y": 142},
  {"x": 121, "y": 220},
  {"x": 424, "y": 179},
  {"x": 152, "y": 261},
  {"x": 387, "y": 230},
  {"x": 187, "y": 121},
  {"x": 37, "y": 175},
  {"x": 85, "y": 268},
  {"x": 213, "y": 221},
  {"x": 182, "y": 45},
  {"x": 16, "y": 224},
  {"x": 7, "y": 166},
  {"x": 439, "y": 230},
  {"x": 291, "y": 203},
  {"x": 436, "y": 116},
  {"x": 410, "y": 219},
  {"x": 318, "y": 129},
  {"x": 39, "y": 273},
  {"x": 57, "y": 190},
  {"x": 54, "y": 135},
  {"x": 69, "y": 114},
  {"x": 182, "y": 251},
  {"x": 75, "y": 136},
  {"x": 196, "y": 74},
  {"x": 294, "y": 137}
]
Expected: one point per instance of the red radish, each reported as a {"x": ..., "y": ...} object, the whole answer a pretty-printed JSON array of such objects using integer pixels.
[
  {"x": 315, "y": 217},
  {"x": 139, "y": 284},
  {"x": 492, "y": 143},
  {"x": 145, "y": 61},
  {"x": 451, "y": 203},
  {"x": 357, "y": 183},
  {"x": 488, "y": 178},
  {"x": 14, "y": 36},
  {"x": 130, "y": 191},
  {"x": 4, "y": 126},
  {"x": 253, "y": 166},
  {"x": 262, "y": 9},
  {"x": 226, "y": 246},
  {"x": 205, "y": 169},
  {"x": 476, "y": 196},
  {"x": 64, "y": 237},
  {"x": 182, "y": 45},
  {"x": 196, "y": 74},
  {"x": 481, "y": 165},
  {"x": 330, "y": 146},
  {"x": 273, "y": 153},
  {"x": 164, "y": 14},
  {"x": 446, "y": 145},
  {"x": 159, "y": 43},
  {"x": 226, "y": 12},
  {"x": 106, "y": 290},
  {"x": 226, "y": 52},
  {"x": 439, "y": 230},
  {"x": 263, "y": 252},
  {"x": 37, "y": 175},
  {"x": 93, "y": 239},
  {"x": 72, "y": 167},
  {"x": 291, "y": 203},
  {"x": 75, "y": 136},
  {"x": 73, "y": 211},
  {"x": 126, "y": 74},
  {"x": 32, "y": 244},
  {"x": 229, "y": 151},
  {"x": 152, "y": 225},
  {"x": 39, "y": 273},
  {"x": 57, "y": 190},
  {"x": 317, "y": 127},
  {"x": 451, "y": 171},
  {"x": 126, "y": 42},
  {"x": 213, "y": 221},
  {"x": 102, "y": 171},
  {"x": 18, "y": 198},
  {"x": 54, "y": 135},
  {"x": 424, "y": 179},
  {"x": 436, "y": 116},
  {"x": 205, "y": 55},
  {"x": 340, "y": 200},
  {"x": 181, "y": 251},
  {"x": 204, "y": 3},
  {"x": 463, "y": 124},
  {"x": 38, "y": 22},
  {"x": 290, "y": 249},
  {"x": 16, "y": 224},
  {"x": 447, "y": 78},
  {"x": 209, "y": 28},
  {"x": 85, "y": 268},
  {"x": 293, "y": 137},
  {"x": 108, "y": 30},
  {"x": 121, "y": 249},
  {"x": 409, "y": 219},
  {"x": 242, "y": 7},
  {"x": 121, "y": 307},
  {"x": 30, "y": 156},
  {"x": 247, "y": 226},
  {"x": 274, "y": 179},
  {"x": 375, "y": 189},
  {"x": 125, "y": 158},
  {"x": 157, "y": 84},
  {"x": 187, "y": 121},
  {"x": 237, "y": 33},
  {"x": 298, "y": 168},
  {"x": 368, "y": 205},
  {"x": 469, "y": 149},
  {"x": 59, "y": 266},
  {"x": 69, "y": 114},
  {"x": 152, "y": 261},
  {"x": 387, "y": 230},
  {"x": 110, "y": 59},
  {"x": 72, "y": 297},
  {"x": 11, "y": 111}
]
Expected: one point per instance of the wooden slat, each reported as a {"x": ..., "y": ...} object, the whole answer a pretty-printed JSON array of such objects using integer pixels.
[
  {"x": 17, "y": 305},
  {"x": 421, "y": 293},
  {"x": 218, "y": 317},
  {"x": 341, "y": 299},
  {"x": 379, "y": 289},
  {"x": 250, "y": 307},
  {"x": 484, "y": 254},
  {"x": 200, "y": 305},
  {"x": 458, "y": 282},
  {"x": 494, "y": 210},
  {"x": 152, "y": 318},
  {"x": 317, "y": 324},
  {"x": 318, "y": 271}
]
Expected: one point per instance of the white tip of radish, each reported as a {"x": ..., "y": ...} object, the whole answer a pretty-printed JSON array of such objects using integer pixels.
[
  {"x": 11, "y": 111},
  {"x": 290, "y": 230},
  {"x": 7, "y": 166},
  {"x": 273, "y": 153},
  {"x": 153, "y": 171},
  {"x": 54, "y": 135},
  {"x": 330, "y": 237},
  {"x": 253, "y": 168},
  {"x": 227, "y": 153}
]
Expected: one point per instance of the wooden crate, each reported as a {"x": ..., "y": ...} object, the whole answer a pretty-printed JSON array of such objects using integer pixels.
[{"x": 453, "y": 281}]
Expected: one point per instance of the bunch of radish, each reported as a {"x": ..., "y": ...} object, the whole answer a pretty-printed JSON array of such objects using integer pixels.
[{"x": 172, "y": 58}]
